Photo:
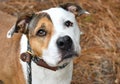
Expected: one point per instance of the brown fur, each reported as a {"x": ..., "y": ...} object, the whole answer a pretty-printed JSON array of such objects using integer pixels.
[
  {"x": 10, "y": 68},
  {"x": 39, "y": 43}
]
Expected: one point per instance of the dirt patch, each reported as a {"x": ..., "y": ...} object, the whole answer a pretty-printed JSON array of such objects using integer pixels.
[{"x": 99, "y": 62}]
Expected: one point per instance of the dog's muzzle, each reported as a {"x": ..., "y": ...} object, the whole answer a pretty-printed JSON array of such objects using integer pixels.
[{"x": 65, "y": 46}]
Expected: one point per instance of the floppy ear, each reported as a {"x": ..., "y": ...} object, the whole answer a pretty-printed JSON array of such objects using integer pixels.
[
  {"x": 74, "y": 8},
  {"x": 21, "y": 25}
]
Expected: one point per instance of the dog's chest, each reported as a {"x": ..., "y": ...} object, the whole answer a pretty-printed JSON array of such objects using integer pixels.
[{"x": 41, "y": 75}]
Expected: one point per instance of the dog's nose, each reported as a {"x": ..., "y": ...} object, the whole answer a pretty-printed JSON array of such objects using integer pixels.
[{"x": 64, "y": 43}]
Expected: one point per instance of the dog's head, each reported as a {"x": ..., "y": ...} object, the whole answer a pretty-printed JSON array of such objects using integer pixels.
[{"x": 53, "y": 34}]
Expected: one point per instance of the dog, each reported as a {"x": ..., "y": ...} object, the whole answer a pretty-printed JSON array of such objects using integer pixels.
[{"x": 50, "y": 40}]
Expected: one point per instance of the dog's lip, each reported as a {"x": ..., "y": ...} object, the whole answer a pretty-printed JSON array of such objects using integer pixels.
[{"x": 68, "y": 55}]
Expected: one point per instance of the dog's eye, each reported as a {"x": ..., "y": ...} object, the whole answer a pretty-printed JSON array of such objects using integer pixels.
[
  {"x": 41, "y": 32},
  {"x": 68, "y": 23}
]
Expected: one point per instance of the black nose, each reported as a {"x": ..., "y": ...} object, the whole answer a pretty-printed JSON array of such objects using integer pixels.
[{"x": 64, "y": 43}]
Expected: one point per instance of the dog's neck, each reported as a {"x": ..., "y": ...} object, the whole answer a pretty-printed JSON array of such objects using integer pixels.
[{"x": 42, "y": 75}]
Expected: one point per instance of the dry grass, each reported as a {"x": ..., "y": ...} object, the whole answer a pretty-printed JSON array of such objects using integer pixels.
[{"x": 99, "y": 62}]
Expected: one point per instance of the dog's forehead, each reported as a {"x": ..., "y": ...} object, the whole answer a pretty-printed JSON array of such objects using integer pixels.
[
  {"x": 57, "y": 11},
  {"x": 59, "y": 14}
]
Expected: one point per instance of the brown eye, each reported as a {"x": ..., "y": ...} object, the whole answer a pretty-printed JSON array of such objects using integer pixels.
[
  {"x": 68, "y": 23},
  {"x": 41, "y": 32}
]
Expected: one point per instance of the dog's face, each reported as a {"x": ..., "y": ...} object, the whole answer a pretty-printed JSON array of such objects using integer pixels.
[{"x": 53, "y": 34}]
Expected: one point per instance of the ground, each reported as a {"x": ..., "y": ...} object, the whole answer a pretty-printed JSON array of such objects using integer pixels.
[{"x": 99, "y": 62}]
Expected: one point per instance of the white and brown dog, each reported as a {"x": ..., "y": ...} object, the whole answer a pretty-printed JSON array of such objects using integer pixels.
[{"x": 51, "y": 36}]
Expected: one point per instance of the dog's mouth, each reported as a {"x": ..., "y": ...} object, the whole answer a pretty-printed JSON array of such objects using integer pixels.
[{"x": 68, "y": 54}]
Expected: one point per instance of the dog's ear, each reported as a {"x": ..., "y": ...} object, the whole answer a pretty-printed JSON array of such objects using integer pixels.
[
  {"x": 74, "y": 8},
  {"x": 21, "y": 25}
]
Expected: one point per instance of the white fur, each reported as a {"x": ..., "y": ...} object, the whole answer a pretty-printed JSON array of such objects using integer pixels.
[
  {"x": 23, "y": 46},
  {"x": 10, "y": 32},
  {"x": 41, "y": 75},
  {"x": 51, "y": 55}
]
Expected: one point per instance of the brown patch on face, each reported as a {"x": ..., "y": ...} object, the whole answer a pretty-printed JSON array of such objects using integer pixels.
[{"x": 39, "y": 43}]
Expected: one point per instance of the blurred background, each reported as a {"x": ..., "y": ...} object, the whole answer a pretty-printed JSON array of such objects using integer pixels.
[{"x": 99, "y": 62}]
